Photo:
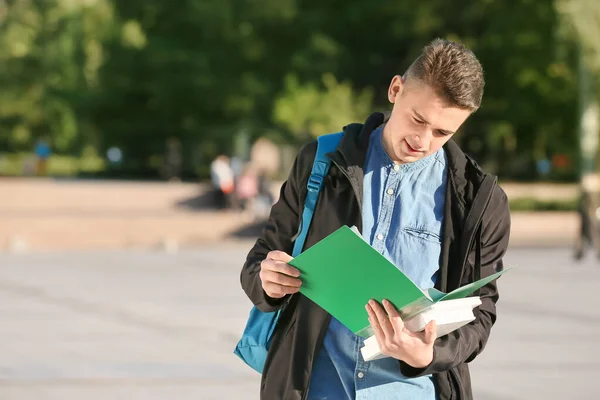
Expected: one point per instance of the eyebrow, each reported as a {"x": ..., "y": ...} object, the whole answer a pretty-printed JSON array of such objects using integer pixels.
[{"x": 444, "y": 131}]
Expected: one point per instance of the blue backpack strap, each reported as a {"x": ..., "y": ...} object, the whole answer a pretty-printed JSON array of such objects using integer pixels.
[
  {"x": 325, "y": 144},
  {"x": 254, "y": 345}
]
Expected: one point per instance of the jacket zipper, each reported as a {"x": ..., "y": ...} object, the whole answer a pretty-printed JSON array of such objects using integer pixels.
[
  {"x": 354, "y": 189},
  {"x": 473, "y": 232}
]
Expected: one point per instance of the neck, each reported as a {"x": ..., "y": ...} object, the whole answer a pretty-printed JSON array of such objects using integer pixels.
[{"x": 386, "y": 142}]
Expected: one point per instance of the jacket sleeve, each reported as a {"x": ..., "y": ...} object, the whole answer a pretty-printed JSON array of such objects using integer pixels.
[
  {"x": 464, "y": 344},
  {"x": 280, "y": 230}
]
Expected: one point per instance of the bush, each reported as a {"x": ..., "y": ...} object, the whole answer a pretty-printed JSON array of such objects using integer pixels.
[
  {"x": 532, "y": 204},
  {"x": 20, "y": 164}
]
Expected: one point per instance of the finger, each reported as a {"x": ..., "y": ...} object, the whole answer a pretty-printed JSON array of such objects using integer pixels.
[
  {"x": 430, "y": 332},
  {"x": 278, "y": 291},
  {"x": 280, "y": 279},
  {"x": 382, "y": 318},
  {"x": 278, "y": 255},
  {"x": 281, "y": 267},
  {"x": 390, "y": 309},
  {"x": 379, "y": 334},
  {"x": 394, "y": 316}
]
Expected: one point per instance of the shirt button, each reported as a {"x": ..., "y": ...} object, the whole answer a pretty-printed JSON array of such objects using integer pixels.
[
  {"x": 361, "y": 375},
  {"x": 390, "y": 192},
  {"x": 396, "y": 167},
  {"x": 379, "y": 236}
]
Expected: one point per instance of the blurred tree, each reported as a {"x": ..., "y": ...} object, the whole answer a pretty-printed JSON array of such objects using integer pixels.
[
  {"x": 199, "y": 72},
  {"x": 529, "y": 107},
  {"x": 582, "y": 18},
  {"x": 50, "y": 52},
  {"x": 308, "y": 110},
  {"x": 136, "y": 74}
]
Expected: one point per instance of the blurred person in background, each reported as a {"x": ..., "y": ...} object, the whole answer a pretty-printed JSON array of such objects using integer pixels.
[
  {"x": 588, "y": 210},
  {"x": 265, "y": 196},
  {"x": 246, "y": 190},
  {"x": 419, "y": 201},
  {"x": 222, "y": 180},
  {"x": 238, "y": 167},
  {"x": 173, "y": 160},
  {"x": 42, "y": 152}
]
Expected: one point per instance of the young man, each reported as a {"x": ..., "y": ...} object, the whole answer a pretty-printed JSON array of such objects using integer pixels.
[{"x": 422, "y": 203}]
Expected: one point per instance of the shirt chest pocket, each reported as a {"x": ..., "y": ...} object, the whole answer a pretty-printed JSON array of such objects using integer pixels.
[
  {"x": 418, "y": 253},
  {"x": 424, "y": 233}
]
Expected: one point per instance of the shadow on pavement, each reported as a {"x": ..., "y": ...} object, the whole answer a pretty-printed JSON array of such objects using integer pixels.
[
  {"x": 249, "y": 231},
  {"x": 203, "y": 201}
]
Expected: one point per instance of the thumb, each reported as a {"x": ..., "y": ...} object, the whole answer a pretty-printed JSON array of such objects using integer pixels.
[{"x": 430, "y": 332}]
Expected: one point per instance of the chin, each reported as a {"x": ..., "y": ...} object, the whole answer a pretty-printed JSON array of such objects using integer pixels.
[{"x": 406, "y": 158}]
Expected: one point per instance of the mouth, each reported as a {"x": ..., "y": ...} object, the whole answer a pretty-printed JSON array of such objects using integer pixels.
[{"x": 411, "y": 149}]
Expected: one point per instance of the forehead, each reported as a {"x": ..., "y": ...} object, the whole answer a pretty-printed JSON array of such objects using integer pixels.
[{"x": 421, "y": 99}]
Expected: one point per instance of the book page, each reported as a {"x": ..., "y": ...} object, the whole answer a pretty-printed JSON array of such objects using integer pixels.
[
  {"x": 471, "y": 287},
  {"x": 435, "y": 295}
]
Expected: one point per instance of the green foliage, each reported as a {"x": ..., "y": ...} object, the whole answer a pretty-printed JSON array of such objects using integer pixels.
[
  {"x": 308, "y": 109},
  {"x": 50, "y": 51},
  {"x": 136, "y": 73},
  {"x": 532, "y": 204},
  {"x": 582, "y": 19},
  {"x": 89, "y": 162}
]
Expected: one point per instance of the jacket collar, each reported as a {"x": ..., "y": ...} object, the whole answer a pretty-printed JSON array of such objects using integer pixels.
[
  {"x": 465, "y": 176},
  {"x": 355, "y": 143}
]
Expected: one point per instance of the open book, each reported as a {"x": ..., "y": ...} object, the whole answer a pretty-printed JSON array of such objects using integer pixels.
[
  {"x": 449, "y": 315},
  {"x": 342, "y": 272}
]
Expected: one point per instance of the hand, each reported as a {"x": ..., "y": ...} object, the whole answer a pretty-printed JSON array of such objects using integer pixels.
[
  {"x": 278, "y": 278},
  {"x": 394, "y": 340}
]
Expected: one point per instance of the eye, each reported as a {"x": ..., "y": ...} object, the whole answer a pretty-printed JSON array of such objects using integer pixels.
[
  {"x": 443, "y": 133},
  {"x": 418, "y": 121}
]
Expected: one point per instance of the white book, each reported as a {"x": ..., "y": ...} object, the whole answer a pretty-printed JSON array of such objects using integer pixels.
[{"x": 449, "y": 315}]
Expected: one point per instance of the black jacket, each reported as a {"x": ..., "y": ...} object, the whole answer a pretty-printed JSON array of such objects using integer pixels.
[{"x": 475, "y": 238}]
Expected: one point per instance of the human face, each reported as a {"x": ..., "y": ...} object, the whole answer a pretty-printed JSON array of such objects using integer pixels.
[{"x": 420, "y": 123}]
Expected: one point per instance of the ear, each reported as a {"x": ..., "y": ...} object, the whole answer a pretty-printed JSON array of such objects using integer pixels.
[{"x": 396, "y": 88}]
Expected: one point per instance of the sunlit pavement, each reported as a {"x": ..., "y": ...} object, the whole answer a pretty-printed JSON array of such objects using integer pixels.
[{"x": 152, "y": 325}]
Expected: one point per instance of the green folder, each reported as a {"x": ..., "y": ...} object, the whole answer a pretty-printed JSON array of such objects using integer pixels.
[{"x": 342, "y": 272}]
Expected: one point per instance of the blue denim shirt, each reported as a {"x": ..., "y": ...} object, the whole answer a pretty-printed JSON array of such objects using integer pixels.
[{"x": 403, "y": 209}]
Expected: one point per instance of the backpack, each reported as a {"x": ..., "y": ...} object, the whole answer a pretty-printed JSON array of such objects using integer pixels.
[{"x": 256, "y": 339}]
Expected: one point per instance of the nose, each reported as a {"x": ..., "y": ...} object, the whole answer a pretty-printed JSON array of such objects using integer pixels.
[{"x": 422, "y": 139}]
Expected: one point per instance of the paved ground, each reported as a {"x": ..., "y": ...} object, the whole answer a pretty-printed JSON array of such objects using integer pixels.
[{"x": 151, "y": 325}]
